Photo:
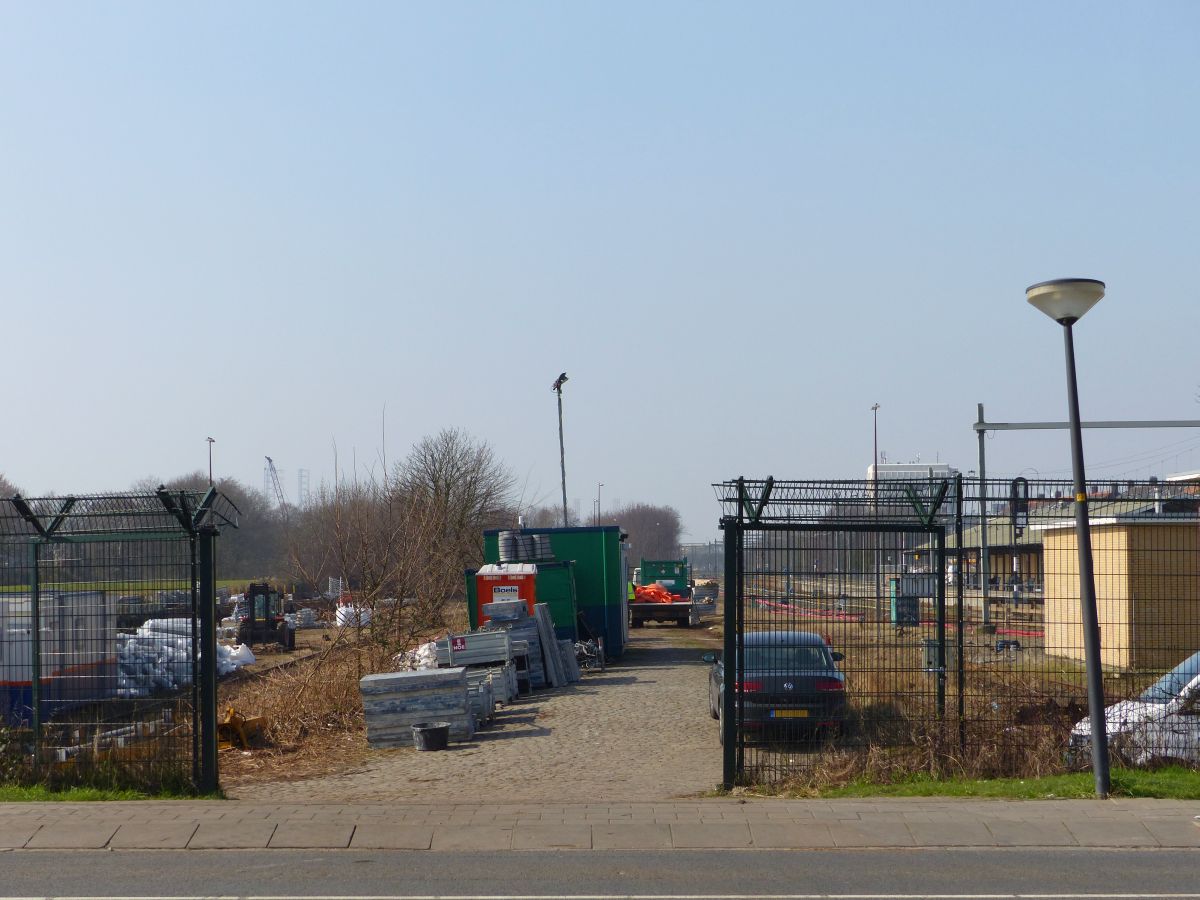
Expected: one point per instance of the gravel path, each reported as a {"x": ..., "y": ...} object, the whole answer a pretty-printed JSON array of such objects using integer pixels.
[{"x": 638, "y": 731}]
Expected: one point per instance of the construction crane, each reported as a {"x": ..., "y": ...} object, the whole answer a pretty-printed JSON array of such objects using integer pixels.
[{"x": 282, "y": 500}]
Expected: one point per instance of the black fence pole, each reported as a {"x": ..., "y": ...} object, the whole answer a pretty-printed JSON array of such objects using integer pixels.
[
  {"x": 206, "y": 539},
  {"x": 729, "y": 659},
  {"x": 941, "y": 622},
  {"x": 960, "y": 671},
  {"x": 35, "y": 653}
]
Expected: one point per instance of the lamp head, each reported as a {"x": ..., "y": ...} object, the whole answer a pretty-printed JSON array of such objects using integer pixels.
[
  {"x": 1065, "y": 300},
  {"x": 559, "y": 382}
]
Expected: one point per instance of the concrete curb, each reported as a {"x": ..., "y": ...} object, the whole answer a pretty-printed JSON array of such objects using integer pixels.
[{"x": 705, "y": 824}]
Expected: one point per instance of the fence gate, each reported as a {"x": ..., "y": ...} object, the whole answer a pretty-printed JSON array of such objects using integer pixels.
[
  {"x": 836, "y": 637},
  {"x": 107, "y": 639}
]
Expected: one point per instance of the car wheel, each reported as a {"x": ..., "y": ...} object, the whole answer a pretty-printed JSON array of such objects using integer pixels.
[
  {"x": 712, "y": 707},
  {"x": 721, "y": 728}
]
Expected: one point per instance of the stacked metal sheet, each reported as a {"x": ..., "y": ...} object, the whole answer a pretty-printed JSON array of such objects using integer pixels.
[
  {"x": 395, "y": 701},
  {"x": 550, "y": 652},
  {"x": 569, "y": 662},
  {"x": 474, "y": 648},
  {"x": 482, "y": 695},
  {"x": 525, "y": 630},
  {"x": 505, "y": 610}
]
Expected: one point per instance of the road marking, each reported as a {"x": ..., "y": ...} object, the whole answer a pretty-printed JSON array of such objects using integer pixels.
[{"x": 856, "y": 896}]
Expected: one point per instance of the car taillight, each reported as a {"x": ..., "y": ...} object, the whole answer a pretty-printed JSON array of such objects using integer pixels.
[
  {"x": 748, "y": 686},
  {"x": 829, "y": 685}
]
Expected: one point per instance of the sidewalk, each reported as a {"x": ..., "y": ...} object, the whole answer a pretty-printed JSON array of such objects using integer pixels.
[{"x": 702, "y": 824}]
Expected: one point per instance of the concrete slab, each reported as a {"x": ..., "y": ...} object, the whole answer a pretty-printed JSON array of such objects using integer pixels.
[
  {"x": 633, "y": 836},
  {"x": 1111, "y": 833},
  {"x": 712, "y": 836},
  {"x": 311, "y": 836},
  {"x": 381, "y": 836},
  {"x": 155, "y": 836},
  {"x": 71, "y": 835},
  {"x": 1026, "y": 833},
  {"x": 14, "y": 836},
  {"x": 552, "y": 837},
  {"x": 870, "y": 833},
  {"x": 472, "y": 837},
  {"x": 1174, "y": 831},
  {"x": 254, "y": 835},
  {"x": 790, "y": 835},
  {"x": 951, "y": 834}
]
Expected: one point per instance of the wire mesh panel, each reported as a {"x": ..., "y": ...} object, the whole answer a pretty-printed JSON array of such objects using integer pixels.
[
  {"x": 942, "y": 627},
  {"x": 99, "y": 644}
]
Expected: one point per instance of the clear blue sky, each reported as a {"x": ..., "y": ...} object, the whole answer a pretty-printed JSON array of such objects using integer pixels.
[{"x": 736, "y": 226}]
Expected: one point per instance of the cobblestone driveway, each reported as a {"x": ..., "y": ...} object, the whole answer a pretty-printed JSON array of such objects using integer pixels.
[{"x": 639, "y": 731}]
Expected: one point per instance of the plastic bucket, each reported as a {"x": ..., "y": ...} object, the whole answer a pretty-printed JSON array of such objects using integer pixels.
[{"x": 431, "y": 735}]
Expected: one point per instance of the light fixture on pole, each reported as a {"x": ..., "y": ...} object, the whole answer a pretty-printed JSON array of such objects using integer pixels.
[
  {"x": 1066, "y": 300},
  {"x": 599, "y": 484},
  {"x": 562, "y": 453},
  {"x": 211, "y": 441},
  {"x": 875, "y": 506}
]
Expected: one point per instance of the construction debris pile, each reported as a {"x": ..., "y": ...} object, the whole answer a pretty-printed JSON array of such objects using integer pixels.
[{"x": 461, "y": 678}]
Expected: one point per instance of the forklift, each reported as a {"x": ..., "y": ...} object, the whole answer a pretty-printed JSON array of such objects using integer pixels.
[{"x": 261, "y": 619}]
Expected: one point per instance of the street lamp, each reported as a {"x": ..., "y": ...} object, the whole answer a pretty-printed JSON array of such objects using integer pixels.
[
  {"x": 875, "y": 506},
  {"x": 562, "y": 453},
  {"x": 599, "y": 484},
  {"x": 211, "y": 441},
  {"x": 1065, "y": 300}
]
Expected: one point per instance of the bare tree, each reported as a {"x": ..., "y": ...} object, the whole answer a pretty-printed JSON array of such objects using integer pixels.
[
  {"x": 653, "y": 530},
  {"x": 401, "y": 539},
  {"x": 7, "y": 488}
]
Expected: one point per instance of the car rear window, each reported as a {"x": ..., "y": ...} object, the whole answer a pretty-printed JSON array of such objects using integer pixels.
[{"x": 787, "y": 658}]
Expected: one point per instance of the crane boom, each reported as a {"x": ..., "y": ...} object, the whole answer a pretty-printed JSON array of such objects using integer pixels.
[{"x": 275, "y": 484}]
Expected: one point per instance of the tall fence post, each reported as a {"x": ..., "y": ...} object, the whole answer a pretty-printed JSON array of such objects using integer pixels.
[
  {"x": 733, "y": 601},
  {"x": 35, "y": 652},
  {"x": 206, "y": 547},
  {"x": 960, "y": 670}
]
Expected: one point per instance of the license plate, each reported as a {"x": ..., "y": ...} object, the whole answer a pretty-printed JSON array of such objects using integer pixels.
[{"x": 789, "y": 713}]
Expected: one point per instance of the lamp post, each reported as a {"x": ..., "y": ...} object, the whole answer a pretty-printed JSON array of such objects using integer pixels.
[
  {"x": 211, "y": 441},
  {"x": 875, "y": 507},
  {"x": 1065, "y": 300},
  {"x": 562, "y": 453},
  {"x": 599, "y": 484}
]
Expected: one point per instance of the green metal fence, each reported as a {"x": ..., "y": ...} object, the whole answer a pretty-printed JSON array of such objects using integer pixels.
[
  {"x": 107, "y": 639},
  {"x": 953, "y": 606}
]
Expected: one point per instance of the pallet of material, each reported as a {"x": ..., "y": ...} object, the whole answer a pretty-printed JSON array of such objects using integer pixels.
[
  {"x": 506, "y": 610},
  {"x": 474, "y": 648},
  {"x": 526, "y": 630},
  {"x": 395, "y": 701},
  {"x": 482, "y": 697}
]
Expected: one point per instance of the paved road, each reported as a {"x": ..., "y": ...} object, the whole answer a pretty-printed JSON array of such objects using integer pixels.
[
  {"x": 837, "y": 875},
  {"x": 638, "y": 731}
]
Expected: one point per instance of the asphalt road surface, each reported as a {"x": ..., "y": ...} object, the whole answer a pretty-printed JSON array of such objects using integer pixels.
[{"x": 842, "y": 874}]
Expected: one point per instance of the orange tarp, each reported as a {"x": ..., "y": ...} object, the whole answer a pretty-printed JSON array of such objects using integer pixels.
[{"x": 655, "y": 593}]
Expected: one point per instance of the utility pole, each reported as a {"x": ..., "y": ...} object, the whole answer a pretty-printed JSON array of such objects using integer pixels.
[{"x": 562, "y": 453}]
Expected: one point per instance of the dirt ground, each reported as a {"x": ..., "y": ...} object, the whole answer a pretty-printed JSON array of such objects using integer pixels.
[{"x": 638, "y": 731}]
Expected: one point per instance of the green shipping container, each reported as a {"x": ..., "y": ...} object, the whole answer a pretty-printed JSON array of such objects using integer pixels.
[{"x": 600, "y": 574}]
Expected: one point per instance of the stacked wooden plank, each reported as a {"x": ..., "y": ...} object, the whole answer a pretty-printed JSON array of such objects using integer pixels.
[{"x": 395, "y": 701}]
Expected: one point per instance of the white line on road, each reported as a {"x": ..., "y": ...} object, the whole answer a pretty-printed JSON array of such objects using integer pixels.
[{"x": 857, "y": 896}]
